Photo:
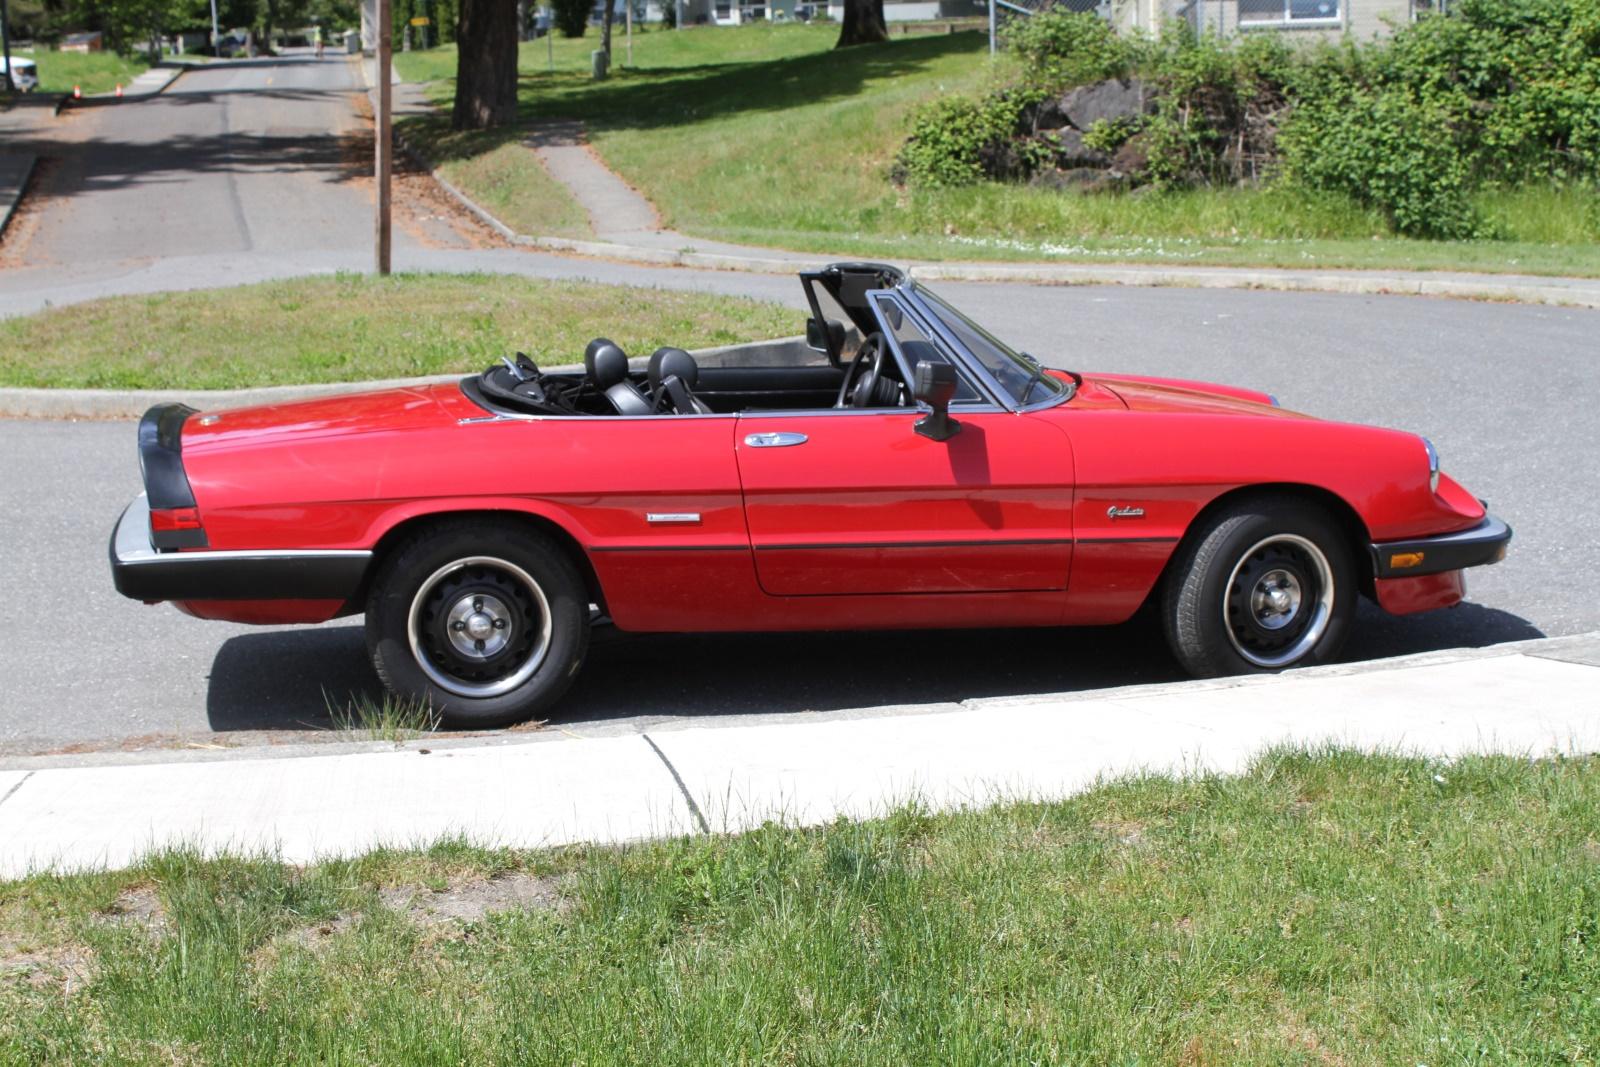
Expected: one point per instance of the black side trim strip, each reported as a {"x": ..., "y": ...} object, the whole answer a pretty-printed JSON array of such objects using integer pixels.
[
  {"x": 668, "y": 548},
  {"x": 1127, "y": 540},
  {"x": 858, "y": 545},
  {"x": 916, "y": 544},
  {"x": 1483, "y": 544}
]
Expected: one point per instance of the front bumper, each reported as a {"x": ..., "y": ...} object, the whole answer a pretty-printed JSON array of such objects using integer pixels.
[
  {"x": 1483, "y": 544},
  {"x": 142, "y": 572}
]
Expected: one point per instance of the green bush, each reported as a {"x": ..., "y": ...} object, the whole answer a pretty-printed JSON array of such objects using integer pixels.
[
  {"x": 1387, "y": 150},
  {"x": 1061, "y": 49},
  {"x": 958, "y": 140},
  {"x": 1497, "y": 94}
]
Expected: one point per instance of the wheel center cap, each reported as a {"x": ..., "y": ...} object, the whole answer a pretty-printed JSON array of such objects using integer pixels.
[
  {"x": 479, "y": 625},
  {"x": 1275, "y": 600}
]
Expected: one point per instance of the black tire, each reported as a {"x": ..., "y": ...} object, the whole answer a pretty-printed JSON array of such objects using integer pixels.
[
  {"x": 1262, "y": 585},
  {"x": 518, "y": 645}
]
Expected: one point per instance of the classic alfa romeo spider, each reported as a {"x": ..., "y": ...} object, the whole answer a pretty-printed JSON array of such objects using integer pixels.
[{"x": 897, "y": 467}]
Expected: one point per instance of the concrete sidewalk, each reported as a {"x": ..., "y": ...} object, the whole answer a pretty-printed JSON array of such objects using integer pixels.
[{"x": 562, "y": 786}]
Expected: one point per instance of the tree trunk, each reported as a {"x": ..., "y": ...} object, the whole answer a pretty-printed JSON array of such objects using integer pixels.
[
  {"x": 605, "y": 28},
  {"x": 522, "y": 20},
  {"x": 863, "y": 23},
  {"x": 486, "y": 65}
]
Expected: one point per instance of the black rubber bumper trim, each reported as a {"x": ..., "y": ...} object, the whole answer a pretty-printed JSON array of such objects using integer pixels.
[
  {"x": 193, "y": 577},
  {"x": 161, "y": 462},
  {"x": 1483, "y": 544}
]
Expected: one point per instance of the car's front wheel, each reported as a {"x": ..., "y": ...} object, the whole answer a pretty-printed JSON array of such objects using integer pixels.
[
  {"x": 1262, "y": 585},
  {"x": 486, "y": 622}
]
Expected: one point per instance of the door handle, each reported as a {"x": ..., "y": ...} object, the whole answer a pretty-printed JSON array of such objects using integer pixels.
[{"x": 777, "y": 439}]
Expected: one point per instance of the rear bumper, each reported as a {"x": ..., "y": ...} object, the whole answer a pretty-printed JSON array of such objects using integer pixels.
[
  {"x": 1483, "y": 544},
  {"x": 142, "y": 572}
]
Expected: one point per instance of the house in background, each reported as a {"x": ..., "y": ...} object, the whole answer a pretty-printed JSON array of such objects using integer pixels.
[
  {"x": 738, "y": 12},
  {"x": 83, "y": 42},
  {"x": 1313, "y": 18}
]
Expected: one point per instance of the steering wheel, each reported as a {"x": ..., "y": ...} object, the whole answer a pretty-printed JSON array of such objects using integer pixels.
[{"x": 860, "y": 393}]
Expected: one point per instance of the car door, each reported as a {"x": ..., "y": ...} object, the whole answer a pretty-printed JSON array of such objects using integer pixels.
[{"x": 850, "y": 502}]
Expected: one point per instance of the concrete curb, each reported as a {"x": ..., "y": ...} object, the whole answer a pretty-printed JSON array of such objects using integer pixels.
[
  {"x": 9, "y": 209},
  {"x": 1576, "y": 648},
  {"x": 132, "y": 403},
  {"x": 797, "y": 770}
]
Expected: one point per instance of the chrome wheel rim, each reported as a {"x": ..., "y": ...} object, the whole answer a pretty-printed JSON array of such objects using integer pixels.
[
  {"x": 479, "y": 627},
  {"x": 1278, "y": 601}
]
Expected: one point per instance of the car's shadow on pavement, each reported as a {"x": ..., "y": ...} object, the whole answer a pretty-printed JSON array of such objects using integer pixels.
[{"x": 300, "y": 679}]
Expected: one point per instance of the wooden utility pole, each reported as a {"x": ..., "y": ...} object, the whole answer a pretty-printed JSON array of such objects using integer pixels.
[{"x": 383, "y": 147}]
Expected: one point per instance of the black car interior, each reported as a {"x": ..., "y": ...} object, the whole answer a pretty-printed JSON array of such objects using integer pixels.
[{"x": 673, "y": 383}]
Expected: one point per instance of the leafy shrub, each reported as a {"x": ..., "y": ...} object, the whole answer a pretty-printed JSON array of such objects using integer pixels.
[
  {"x": 1497, "y": 94},
  {"x": 1061, "y": 49},
  {"x": 1385, "y": 149},
  {"x": 958, "y": 140},
  {"x": 1108, "y": 135}
]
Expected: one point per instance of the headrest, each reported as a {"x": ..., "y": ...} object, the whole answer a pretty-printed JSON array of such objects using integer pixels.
[
  {"x": 669, "y": 363},
  {"x": 605, "y": 363}
]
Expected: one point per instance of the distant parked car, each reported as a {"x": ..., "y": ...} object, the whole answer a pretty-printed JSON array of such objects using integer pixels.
[
  {"x": 914, "y": 472},
  {"x": 230, "y": 45},
  {"x": 24, "y": 74}
]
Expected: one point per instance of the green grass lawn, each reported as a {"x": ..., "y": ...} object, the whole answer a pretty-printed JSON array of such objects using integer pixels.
[
  {"x": 355, "y": 327},
  {"x": 96, "y": 72},
  {"x": 1320, "y": 909},
  {"x": 764, "y": 135}
]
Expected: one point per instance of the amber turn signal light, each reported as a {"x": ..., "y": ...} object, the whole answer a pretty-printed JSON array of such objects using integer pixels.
[{"x": 1402, "y": 560}]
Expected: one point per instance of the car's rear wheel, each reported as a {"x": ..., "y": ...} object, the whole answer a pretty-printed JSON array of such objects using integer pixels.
[
  {"x": 1262, "y": 585},
  {"x": 486, "y": 622}
]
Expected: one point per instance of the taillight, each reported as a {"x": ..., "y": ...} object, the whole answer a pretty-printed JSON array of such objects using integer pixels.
[{"x": 176, "y": 528}]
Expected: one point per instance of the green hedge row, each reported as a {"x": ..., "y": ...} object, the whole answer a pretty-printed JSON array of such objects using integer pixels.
[{"x": 1499, "y": 92}]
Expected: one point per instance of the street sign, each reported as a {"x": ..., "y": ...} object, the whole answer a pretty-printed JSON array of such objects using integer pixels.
[{"x": 419, "y": 21}]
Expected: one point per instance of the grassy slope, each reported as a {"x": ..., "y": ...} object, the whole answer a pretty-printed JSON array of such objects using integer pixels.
[
  {"x": 357, "y": 327},
  {"x": 99, "y": 72},
  {"x": 1328, "y": 909},
  {"x": 764, "y": 135}
]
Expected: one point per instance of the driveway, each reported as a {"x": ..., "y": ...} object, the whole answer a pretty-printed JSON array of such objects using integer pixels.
[{"x": 1501, "y": 389}]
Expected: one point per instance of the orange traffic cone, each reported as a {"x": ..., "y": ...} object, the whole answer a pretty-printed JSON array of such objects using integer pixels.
[
  {"x": 77, "y": 93},
  {"x": 119, "y": 90}
]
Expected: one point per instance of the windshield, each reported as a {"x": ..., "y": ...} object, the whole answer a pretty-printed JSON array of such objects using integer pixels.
[{"x": 1019, "y": 375}]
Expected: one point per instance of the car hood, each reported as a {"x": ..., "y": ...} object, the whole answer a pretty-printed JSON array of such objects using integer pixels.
[
  {"x": 1180, "y": 396},
  {"x": 381, "y": 411}
]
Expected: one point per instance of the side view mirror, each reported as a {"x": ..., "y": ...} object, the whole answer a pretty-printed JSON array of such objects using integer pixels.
[
  {"x": 825, "y": 336},
  {"x": 934, "y": 384}
]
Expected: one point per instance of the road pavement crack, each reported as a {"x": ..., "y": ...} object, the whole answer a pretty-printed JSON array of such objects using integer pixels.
[
  {"x": 694, "y": 809},
  {"x": 13, "y": 790}
]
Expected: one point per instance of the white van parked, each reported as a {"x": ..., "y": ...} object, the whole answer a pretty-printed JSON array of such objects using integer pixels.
[{"x": 24, "y": 74}]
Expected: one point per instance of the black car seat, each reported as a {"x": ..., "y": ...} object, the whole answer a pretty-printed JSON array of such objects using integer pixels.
[
  {"x": 606, "y": 365},
  {"x": 672, "y": 375}
]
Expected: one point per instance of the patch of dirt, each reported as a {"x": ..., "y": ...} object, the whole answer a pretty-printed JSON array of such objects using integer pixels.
[
  {"x": 66, "y": 968},
  {"x": 418, "y": 204},
  {"x": 140, "y": 906},
  {"x": 25, "y": 219},
  {"x": 471, "y": 902}
]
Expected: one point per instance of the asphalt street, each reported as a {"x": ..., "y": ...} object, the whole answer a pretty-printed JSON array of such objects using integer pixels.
[
  {"x": 1503, "y": 391},
  {"x": 242, "y": 157}
]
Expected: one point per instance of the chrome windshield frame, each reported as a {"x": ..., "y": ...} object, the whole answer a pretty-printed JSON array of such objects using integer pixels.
[{"x": 912, "y": 295}]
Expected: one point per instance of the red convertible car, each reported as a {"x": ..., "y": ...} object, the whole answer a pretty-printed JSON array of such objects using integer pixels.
[{"x": 898, "y": 467}]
